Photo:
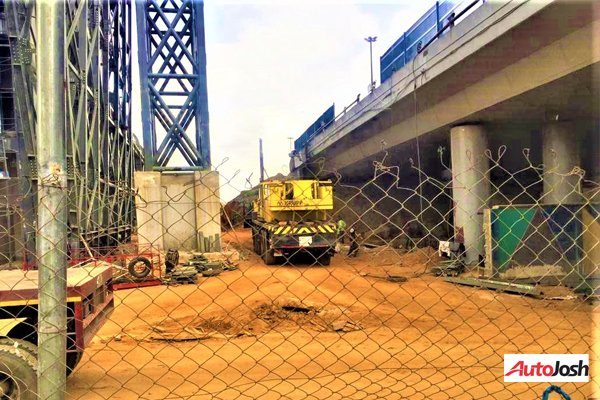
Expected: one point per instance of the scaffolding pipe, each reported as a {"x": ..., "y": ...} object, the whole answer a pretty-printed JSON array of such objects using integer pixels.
[{"x": 52, "y": 210}]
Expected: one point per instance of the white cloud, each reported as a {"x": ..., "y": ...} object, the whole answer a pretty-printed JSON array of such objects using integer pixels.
[
  {"x": 283, "y": 67},
  {"x": 274, "y": 67}
]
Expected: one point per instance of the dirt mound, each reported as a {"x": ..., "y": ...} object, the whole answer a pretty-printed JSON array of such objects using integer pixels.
[
  {"x": 424, "y": 256},
  {"x": 287, "y": 315},
  {"x": 281, "y": 316},
  {"x": 419, "y": 259}
]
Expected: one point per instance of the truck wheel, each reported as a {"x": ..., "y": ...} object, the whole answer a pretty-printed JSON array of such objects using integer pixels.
[
  {"x": 255, "y": 241},
  {"x": 139, "y": 267},
  {"x": 268, "y": 254},
  {"x": 325, "y": 259},
  {"x": 259, "y": 243},
  {"x": 269, "y": 257},
  {"x": 18, "y": 376}
]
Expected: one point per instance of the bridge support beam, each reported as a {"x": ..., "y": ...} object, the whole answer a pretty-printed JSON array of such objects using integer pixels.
[
  {"x": 470, "y": 187},
  {"x": 560, "y": 154}
]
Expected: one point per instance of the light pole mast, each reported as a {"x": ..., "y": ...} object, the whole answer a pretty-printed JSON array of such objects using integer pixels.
[
  {"x": 371, "y": 39},
  {"x": 261, "y": 160}
]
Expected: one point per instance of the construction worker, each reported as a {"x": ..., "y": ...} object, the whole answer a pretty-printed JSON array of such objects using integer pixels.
[
  {"x": 341, "y": 230},
  {"x": 353, "y": 251}
]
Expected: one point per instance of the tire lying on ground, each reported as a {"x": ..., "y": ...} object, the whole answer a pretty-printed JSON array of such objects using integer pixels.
[
  {"x": 134, "y": 265},
  {"x": 18, "y": 373}
]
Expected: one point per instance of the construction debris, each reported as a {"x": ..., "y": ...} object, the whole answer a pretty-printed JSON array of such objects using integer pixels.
[
  {"x": 344, "y": 325},
  {"x": 211, "y": 272},
  {"x": 196, "y": 264},
  {"x": 209, "y": 268},
  {"x": 568, "y": 297},
  {"x": 182, "y": 274},
  {"x": 396, "y": 278},
  {"x": 497, "y": 285},
  {"x": 449, "y": 268},
  {"x": 390, "y": 278}
]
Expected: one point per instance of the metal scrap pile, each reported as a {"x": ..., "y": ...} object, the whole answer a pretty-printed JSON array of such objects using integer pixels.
[
  {"x": 206, "y": 268},
  {"x": 197, "y": 264}
]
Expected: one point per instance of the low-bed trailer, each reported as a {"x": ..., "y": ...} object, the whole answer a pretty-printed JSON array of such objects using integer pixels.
[{"x": 89, "y": 304}]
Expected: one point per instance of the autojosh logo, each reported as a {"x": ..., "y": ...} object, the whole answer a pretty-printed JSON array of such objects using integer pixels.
[{"x": 546, "y": 368}]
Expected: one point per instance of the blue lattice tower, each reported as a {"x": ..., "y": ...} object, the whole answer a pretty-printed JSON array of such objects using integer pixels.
[{"x": 172, "y": 61}]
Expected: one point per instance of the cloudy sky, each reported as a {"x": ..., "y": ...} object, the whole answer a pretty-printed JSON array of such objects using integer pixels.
[{"x": 274, "y": 66}]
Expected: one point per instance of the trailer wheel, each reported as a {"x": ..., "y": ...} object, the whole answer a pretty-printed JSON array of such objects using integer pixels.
[
  {"x": 139, "y": 267},
  {"x": 73, "y": 358},
  {"x": 18, "y": 376},
  {"x": 20, "y": 344}
]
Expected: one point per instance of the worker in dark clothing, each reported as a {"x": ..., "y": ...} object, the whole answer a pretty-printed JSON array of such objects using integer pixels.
[
  {"x": 171, "y": 260},
  {"x": 353, "y": 252}
]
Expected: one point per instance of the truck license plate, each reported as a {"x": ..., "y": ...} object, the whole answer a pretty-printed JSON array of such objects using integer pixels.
[{"x": 305, "y": 241}]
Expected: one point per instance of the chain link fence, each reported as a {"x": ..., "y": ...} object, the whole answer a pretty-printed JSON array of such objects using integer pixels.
[{"x": 399, "y": 283}]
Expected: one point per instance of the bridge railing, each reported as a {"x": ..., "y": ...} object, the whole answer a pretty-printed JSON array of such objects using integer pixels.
[
  {"x": 426, "y": 29},
  {"x": 316, "y": 127},
  {"x": 323, "y": 123},
  {"x": 430, "y": 26}
]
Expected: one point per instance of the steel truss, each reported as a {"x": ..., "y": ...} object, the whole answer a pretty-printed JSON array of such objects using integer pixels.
[
  {"x": 172, "y": 61},
  {"x": 101, "y": 151}
]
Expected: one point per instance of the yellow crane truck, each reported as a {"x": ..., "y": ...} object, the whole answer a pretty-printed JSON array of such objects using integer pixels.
[{"x": 291, "y": 217}]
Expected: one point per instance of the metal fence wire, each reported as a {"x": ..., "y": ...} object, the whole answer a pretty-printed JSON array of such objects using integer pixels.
[{"x": 434, "y": 277}]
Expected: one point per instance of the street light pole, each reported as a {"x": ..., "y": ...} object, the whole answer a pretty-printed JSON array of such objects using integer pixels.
[
  {"x": 261, "y": 160},
  {"x": 371, "y": 39}
]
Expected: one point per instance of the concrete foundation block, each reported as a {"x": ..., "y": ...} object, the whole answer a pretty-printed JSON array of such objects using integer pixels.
[{"x": 178, "y": 210}]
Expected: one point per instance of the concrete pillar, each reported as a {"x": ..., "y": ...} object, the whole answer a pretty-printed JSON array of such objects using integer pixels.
[
  {"x": 208, "y": 210},
  {"x": 178, "y": 210},
  {"x": 175, "y": 210},
  {"x": 560, "y": 154},
  {"x": 148, "y": 207},
  {"x": 470, "y": 187}
]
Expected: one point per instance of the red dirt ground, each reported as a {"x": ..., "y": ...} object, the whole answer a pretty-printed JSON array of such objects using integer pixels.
[{"x": 343, "y": 331}]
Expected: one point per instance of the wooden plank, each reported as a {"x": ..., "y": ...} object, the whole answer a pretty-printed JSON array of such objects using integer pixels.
[
  {"x": 497, "y": 285},
  {"x": 487, "y": 232}
]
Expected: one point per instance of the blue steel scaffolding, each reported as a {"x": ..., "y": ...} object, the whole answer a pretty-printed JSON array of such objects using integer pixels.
[{"x": 172, "y": 59}]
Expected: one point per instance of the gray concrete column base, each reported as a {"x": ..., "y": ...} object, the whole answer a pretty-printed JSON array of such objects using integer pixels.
[
  {"x": 178, "y": 210},
  {"x": 560, "y": 155},
  {"x": 470, "y": 187}
]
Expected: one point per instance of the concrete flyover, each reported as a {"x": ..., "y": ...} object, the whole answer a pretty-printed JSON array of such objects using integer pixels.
[{"x": 524, "y": 74}]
